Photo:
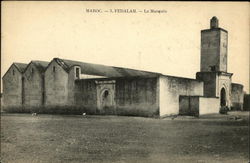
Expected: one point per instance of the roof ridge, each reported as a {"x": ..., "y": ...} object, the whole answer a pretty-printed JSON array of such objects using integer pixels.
[
  {"x": 38, "y": 61},
  {"x": 40, "y": 65},
  {"x": 18, "y": 64},
  {"x": 112, "y": 66},
  {"x": 62, "y": 63}
]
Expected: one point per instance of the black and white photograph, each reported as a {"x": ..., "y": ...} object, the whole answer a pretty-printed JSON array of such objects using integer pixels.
[{"x": 125, "y": 82}]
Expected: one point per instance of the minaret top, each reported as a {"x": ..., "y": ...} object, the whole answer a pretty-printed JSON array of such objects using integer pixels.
[{"x": 214, "y": 22}]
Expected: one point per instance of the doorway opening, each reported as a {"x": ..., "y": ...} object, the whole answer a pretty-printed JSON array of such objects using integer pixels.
[
  {"x": 106, "y": 99},
  {"x": 223, "y": 97}
]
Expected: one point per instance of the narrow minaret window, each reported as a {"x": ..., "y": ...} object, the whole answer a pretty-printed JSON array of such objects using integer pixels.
[
  {"x": 77, "y": 73},
  {"x": 214, "y": 22}
]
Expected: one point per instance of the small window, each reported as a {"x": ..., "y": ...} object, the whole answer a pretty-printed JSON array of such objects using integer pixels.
[
  {"x": 13, "y": 72},
  {"x": 77, "y": 72},
  {"x": 32, "y": 70},
  {"x": 54, "y": 69},
  {"x": 89, "y": 86},
  {"x": 213, "y": 68},
  {"x": 106, "y": 93}
]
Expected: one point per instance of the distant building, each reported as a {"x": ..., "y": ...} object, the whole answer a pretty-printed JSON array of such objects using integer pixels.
[
  {"x": 13, "y": 85},
  {"x": 115, "y": 90}
]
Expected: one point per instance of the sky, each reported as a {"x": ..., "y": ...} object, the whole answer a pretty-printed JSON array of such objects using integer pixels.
[{"x": 167, "y": 43}]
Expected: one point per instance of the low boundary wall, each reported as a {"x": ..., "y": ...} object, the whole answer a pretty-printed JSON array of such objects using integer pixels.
[{"x": 198, "y": 105}]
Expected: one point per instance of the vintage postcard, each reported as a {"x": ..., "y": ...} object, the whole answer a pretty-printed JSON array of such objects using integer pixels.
[{"x": 124, "y": 82}]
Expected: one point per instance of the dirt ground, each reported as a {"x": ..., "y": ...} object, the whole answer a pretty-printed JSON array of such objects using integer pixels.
[{"x": 120, "y": 139}]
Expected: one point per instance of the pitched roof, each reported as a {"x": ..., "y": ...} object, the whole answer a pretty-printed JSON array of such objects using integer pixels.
[
  {"x": 20, "y": 66},
  {"x": 102, "y": 70},
  {"x": 40, "y": 65}
]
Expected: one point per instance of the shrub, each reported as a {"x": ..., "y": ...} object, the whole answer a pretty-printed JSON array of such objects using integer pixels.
[
  {"x": 51, "y": 109},
  {"x": 224, "y": 109},
  {"x": 146, "y": 111}
]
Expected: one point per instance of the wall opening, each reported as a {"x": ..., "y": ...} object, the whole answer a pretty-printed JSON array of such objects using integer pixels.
[
  {"x": 105, "y": 96},
  {"x": 77, "y": 72},
  {"x": 223, "y": 97},
  {"x": 106, "y": 99}
]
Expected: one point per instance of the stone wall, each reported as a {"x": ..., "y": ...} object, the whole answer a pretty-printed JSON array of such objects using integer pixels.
[
  {"x": 223, "y": 50},
  {"x": 210, "y": 41},
  {"x": 12, "y": 87},
  {"x": 132, "y": 96},
  {"x": 137, "y": 96},
  {"x": 209, "y": 105},
  {"x": 85, "y": 93},
  {"x": 214, "y": 82},
  {"x": 56, "y": 85},
  {"x": 209, "y": 79},
  {"x": 213, "y": 50},
  {"x": 237, "y": 96},
  {"x": 33, "y": 86},
  {"x": 197, "y": 105},
  {"x": 246, "y": 105},
  {"x": 189, "y": 105},
  {"x": 71, "y": 85},
  {"x": 171, "y": 88},
  {"x": 224, "y": 81}
]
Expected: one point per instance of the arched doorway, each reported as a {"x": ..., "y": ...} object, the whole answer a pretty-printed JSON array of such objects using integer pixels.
[
  {"x": 105, "y": 96},
  {"x": 223, "y": 97},
  {"x": 106, "y": 99}
]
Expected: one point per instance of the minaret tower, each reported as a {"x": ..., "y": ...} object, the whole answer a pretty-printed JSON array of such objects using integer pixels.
[
  {"x": 214, "y": 48},
  {"x": 213, "y": 63}
]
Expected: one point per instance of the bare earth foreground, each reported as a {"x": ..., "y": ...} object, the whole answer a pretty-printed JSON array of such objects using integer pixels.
[{"x": 57, "y": 138}]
